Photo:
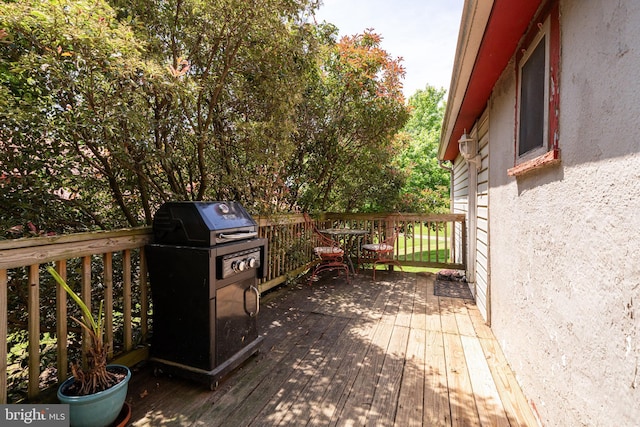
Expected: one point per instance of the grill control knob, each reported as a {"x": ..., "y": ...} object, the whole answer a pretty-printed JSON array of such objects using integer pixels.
[
  {"x": 239, "y": 265},
  {"x": 251, "y": 262}
]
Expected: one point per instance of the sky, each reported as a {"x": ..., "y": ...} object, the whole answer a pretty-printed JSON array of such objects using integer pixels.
[{"x": 423, "y": 32}]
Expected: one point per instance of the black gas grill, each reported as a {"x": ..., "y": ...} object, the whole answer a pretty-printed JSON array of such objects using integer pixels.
[{"x": 203, "y": 267}]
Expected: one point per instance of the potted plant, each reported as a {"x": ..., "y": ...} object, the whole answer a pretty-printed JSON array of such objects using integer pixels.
[{"x": 95, "y": 393}]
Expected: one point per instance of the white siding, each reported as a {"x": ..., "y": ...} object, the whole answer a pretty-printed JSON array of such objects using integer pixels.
[
  {"x": 482, "y": 221},
  {"x": 478, "y": 257},
  {"x": 460, "y": 201}
]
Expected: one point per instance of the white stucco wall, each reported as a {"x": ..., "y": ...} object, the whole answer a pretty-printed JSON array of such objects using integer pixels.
[{"x": 565, "y": 241}]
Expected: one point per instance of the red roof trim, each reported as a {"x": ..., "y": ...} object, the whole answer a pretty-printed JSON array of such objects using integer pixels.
[{"x": 507, "y": 23}]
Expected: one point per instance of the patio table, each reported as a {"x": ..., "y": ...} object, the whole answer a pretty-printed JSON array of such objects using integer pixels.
[{"x": 350, "y": 238}]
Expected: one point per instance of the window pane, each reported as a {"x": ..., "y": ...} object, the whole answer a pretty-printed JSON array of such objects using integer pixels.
[{"x": 532, "y": 101}]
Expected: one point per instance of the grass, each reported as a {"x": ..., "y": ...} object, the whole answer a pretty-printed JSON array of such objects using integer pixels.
[
  {"x": 420, "y": 243},
  {"x": 422, "y": 247}
]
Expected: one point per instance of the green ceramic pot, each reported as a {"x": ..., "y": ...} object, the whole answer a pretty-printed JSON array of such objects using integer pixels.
[{"x": 99, "y": 409}]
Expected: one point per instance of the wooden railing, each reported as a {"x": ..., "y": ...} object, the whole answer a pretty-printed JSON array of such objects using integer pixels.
[
  {"x": 424, "y": 240},
  {"x": 290, "y": 248},
  {"x": 111, "y": 266},
  {"x": 21, "y": 266}
]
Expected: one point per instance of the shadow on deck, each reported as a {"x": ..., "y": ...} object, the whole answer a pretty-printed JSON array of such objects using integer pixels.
[{"x": 366, "y": 353}]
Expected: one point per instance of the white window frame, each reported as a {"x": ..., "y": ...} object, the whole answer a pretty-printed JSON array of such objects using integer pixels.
[{"x": 544, "y": 32}]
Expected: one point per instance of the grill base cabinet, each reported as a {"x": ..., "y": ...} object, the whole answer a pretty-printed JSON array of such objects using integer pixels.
[{"x": 205, "y": 307}]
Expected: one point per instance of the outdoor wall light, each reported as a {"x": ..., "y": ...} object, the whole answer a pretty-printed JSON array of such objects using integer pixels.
[{"x": 469, "y": 149}]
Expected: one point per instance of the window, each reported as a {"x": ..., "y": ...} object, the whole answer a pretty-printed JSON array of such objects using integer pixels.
[
  {"x": 534, "y": 97},
  {"x": 537, "y": 103}
]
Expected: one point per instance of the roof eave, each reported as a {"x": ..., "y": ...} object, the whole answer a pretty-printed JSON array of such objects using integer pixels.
[{"x": 489, "y": 34}]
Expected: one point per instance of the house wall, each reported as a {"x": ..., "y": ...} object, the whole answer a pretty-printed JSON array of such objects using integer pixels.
[{"x": 564, "y": 241}]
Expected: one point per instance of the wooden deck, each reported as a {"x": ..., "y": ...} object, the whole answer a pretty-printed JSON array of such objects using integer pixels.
[{"x": 337, "y": 354}]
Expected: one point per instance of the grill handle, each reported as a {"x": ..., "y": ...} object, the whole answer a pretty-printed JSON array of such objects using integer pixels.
[
  {"x": 238, "y": 236},
  {"x": 257, "y": 292}
]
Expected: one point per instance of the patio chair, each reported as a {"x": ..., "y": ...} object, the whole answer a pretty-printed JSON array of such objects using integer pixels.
[
  {"x": 381, "y": 252},
  {"x": 330, "y": 254}
]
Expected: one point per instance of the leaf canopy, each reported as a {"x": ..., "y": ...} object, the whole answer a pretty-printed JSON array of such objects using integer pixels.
[{"x": 110, "y": 108}]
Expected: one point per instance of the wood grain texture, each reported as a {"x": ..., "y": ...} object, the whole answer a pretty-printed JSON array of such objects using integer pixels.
[{"x": 384, "y": 353}]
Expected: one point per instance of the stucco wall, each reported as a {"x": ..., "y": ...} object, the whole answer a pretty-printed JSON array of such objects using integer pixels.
[{"x": 565, "y": 241}]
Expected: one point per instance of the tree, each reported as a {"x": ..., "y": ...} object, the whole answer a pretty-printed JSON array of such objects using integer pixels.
[
  {"x": 224, "y": 124},
  {"x": 427, "y": 185},
  {"x": 352, "y": 109},
  {"x": 108, "y": 109},
  {"x": 106, "y": 115},
  {"x": 69, "y": 73}
]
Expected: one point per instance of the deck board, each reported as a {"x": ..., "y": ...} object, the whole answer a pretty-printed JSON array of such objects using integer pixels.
[
  {"x": 388, "y": 383},
  {"x": 279, "y": 411},
  {"x": 411, "y": 399},
  {"x": 461, "y": 398},
  {"x": 383, "y": 353},
  {"x": 516, "y": 406},
  {"x": 276, "y": 388},
  {"x": 309, "y": 403},
  {"x": 337, "y": 391},
  {"x": 356, "y": 401},
  {"x": 437, "y": 410}
]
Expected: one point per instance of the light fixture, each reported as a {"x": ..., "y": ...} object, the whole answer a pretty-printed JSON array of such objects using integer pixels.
[{"x": 469, "y": 149}]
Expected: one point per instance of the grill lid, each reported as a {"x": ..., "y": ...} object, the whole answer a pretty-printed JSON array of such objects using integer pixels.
[{"x": 202, "y": 223}]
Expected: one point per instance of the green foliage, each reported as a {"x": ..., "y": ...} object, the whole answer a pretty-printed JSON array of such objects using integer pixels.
[
  {"x": 427, "y": 185},
  {"x": 68, "y": 70},
  {"x": 91, "y": 324},
  {"x": 17, "y": 364},
  {"x": 227, "y": 112},
  {"x": 352, "y": 109},
  {"x": 110, "y": 108}
]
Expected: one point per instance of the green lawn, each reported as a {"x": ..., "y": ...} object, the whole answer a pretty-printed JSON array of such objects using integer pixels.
[{"x": 422, "y": 247}]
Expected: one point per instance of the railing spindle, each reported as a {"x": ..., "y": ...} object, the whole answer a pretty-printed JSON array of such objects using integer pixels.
[
  {"x": 3, "y": 335},
  {"x": 437, "y": 241},
  {"x": 144, "y": 295},
  {"x": 34, "y": 331},
  {"x": 421, "y": 248},
  {"x": 446, "y": 237},
  {"x": 278, "y": 248},
  {"x": 126, "y": 272},
  {"x": 107, "y": 260},
  {"x": 429, "y": 239},
  {"x": 61, "y": 323},
  {"x": 86, "y": 297}
]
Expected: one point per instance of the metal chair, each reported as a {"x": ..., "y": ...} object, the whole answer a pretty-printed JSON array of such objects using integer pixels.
[
  {"x": 330, "y": 254},
  {"x": 382, "y": 251}
]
